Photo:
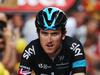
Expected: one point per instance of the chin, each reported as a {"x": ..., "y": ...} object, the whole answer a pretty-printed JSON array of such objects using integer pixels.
[{"x": 50, "y": 51}]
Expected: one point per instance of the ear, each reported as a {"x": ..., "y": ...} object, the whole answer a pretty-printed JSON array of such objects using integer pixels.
[{"x": 63, "y": 37}]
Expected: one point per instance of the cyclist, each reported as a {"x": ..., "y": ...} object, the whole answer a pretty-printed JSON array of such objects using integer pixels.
[{"x": 52, "y": 53}]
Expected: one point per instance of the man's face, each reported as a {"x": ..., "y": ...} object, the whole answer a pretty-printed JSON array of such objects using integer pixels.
[{"x": 50, "y": 40}]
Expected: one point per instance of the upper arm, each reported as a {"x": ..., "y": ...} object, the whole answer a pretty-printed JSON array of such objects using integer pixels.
[
  {"x": 78, "y": 59},
  {"x": 25, "y": 67}
]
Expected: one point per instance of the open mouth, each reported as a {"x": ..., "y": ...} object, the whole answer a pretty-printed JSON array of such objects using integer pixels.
[{"x": 49, "y": 45}]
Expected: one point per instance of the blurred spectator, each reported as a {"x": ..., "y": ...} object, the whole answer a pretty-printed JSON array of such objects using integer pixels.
[
  {"x": 79, "y": 14},
  {"x": 30, "y": 30},
  {"x": 3, "y": 17},
  {"x": 15, "y": 25},
  {"x": 89, "y": 27},
  {"x": 7, "y": 50},
  {"x": 71, "y": 26},
  {"x": 91, "y": 45},
  {"x": 75, "y": 20},
  {"x": 2, "y": 41}
]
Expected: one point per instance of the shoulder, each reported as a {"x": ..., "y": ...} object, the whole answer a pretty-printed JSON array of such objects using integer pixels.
[
  {"x": 77, "y": 54},
  {"x": 70, "y": 40},
  {"x": 73, "y": 45},
  {"x": 30, "y": 49},
  {"x": 34, "y": 43}
]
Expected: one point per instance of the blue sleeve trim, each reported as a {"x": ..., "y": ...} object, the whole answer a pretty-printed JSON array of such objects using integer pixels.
[{"x": 79, "y": 63}]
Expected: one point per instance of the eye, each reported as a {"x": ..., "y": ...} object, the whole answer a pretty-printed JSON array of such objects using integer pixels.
[
  {"x": 55, "y": 33},
  {"x": 44, "y": 33}
]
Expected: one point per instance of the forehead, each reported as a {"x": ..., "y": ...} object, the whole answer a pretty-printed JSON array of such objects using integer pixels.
[{"x": 50, "y": 31}]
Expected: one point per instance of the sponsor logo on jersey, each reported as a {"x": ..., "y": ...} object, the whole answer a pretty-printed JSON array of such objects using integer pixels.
[
  {"x": 43, "y": 66},
  {"x": 61, "y": 58},
  {"x": 29, "y": 52},
  {"x": 76, "y": 49}
]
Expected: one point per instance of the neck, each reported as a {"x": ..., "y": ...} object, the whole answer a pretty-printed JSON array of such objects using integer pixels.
[{"x": 52, "y": 56}]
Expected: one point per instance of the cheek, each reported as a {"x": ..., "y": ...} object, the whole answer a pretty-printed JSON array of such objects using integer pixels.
[
  {"x": 57, "y": 40},
  {"x": 43, "y": 39}
]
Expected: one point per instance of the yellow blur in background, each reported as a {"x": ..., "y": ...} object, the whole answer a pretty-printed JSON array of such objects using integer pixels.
[
  {"x": 3, "y": 71},
  {"x": 20, "y": 45}
]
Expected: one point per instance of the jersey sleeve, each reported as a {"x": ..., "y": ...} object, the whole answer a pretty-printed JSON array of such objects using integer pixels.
[
  {"x": 78, "y": 58},
  {"x": 25, "y": 63}
]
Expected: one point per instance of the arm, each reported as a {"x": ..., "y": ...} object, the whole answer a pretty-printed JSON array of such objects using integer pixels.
[
  {"x": 25, "y": 67},
  {"x": 9, "y": 52},
  {"x": 78, "y": 61}
]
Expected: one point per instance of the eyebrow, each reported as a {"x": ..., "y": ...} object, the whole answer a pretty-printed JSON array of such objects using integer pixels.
[{"x": 50, "y": 33}]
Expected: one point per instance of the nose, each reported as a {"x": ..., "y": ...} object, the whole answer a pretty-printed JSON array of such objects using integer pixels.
[{"x": 49, "y": 38}]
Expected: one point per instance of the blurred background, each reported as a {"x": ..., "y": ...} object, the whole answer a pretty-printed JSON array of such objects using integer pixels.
[{"x": 17, "y": 29}]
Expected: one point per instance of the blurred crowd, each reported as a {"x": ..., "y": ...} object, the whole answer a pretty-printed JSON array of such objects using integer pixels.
[{"x": 18, "y": 29}]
